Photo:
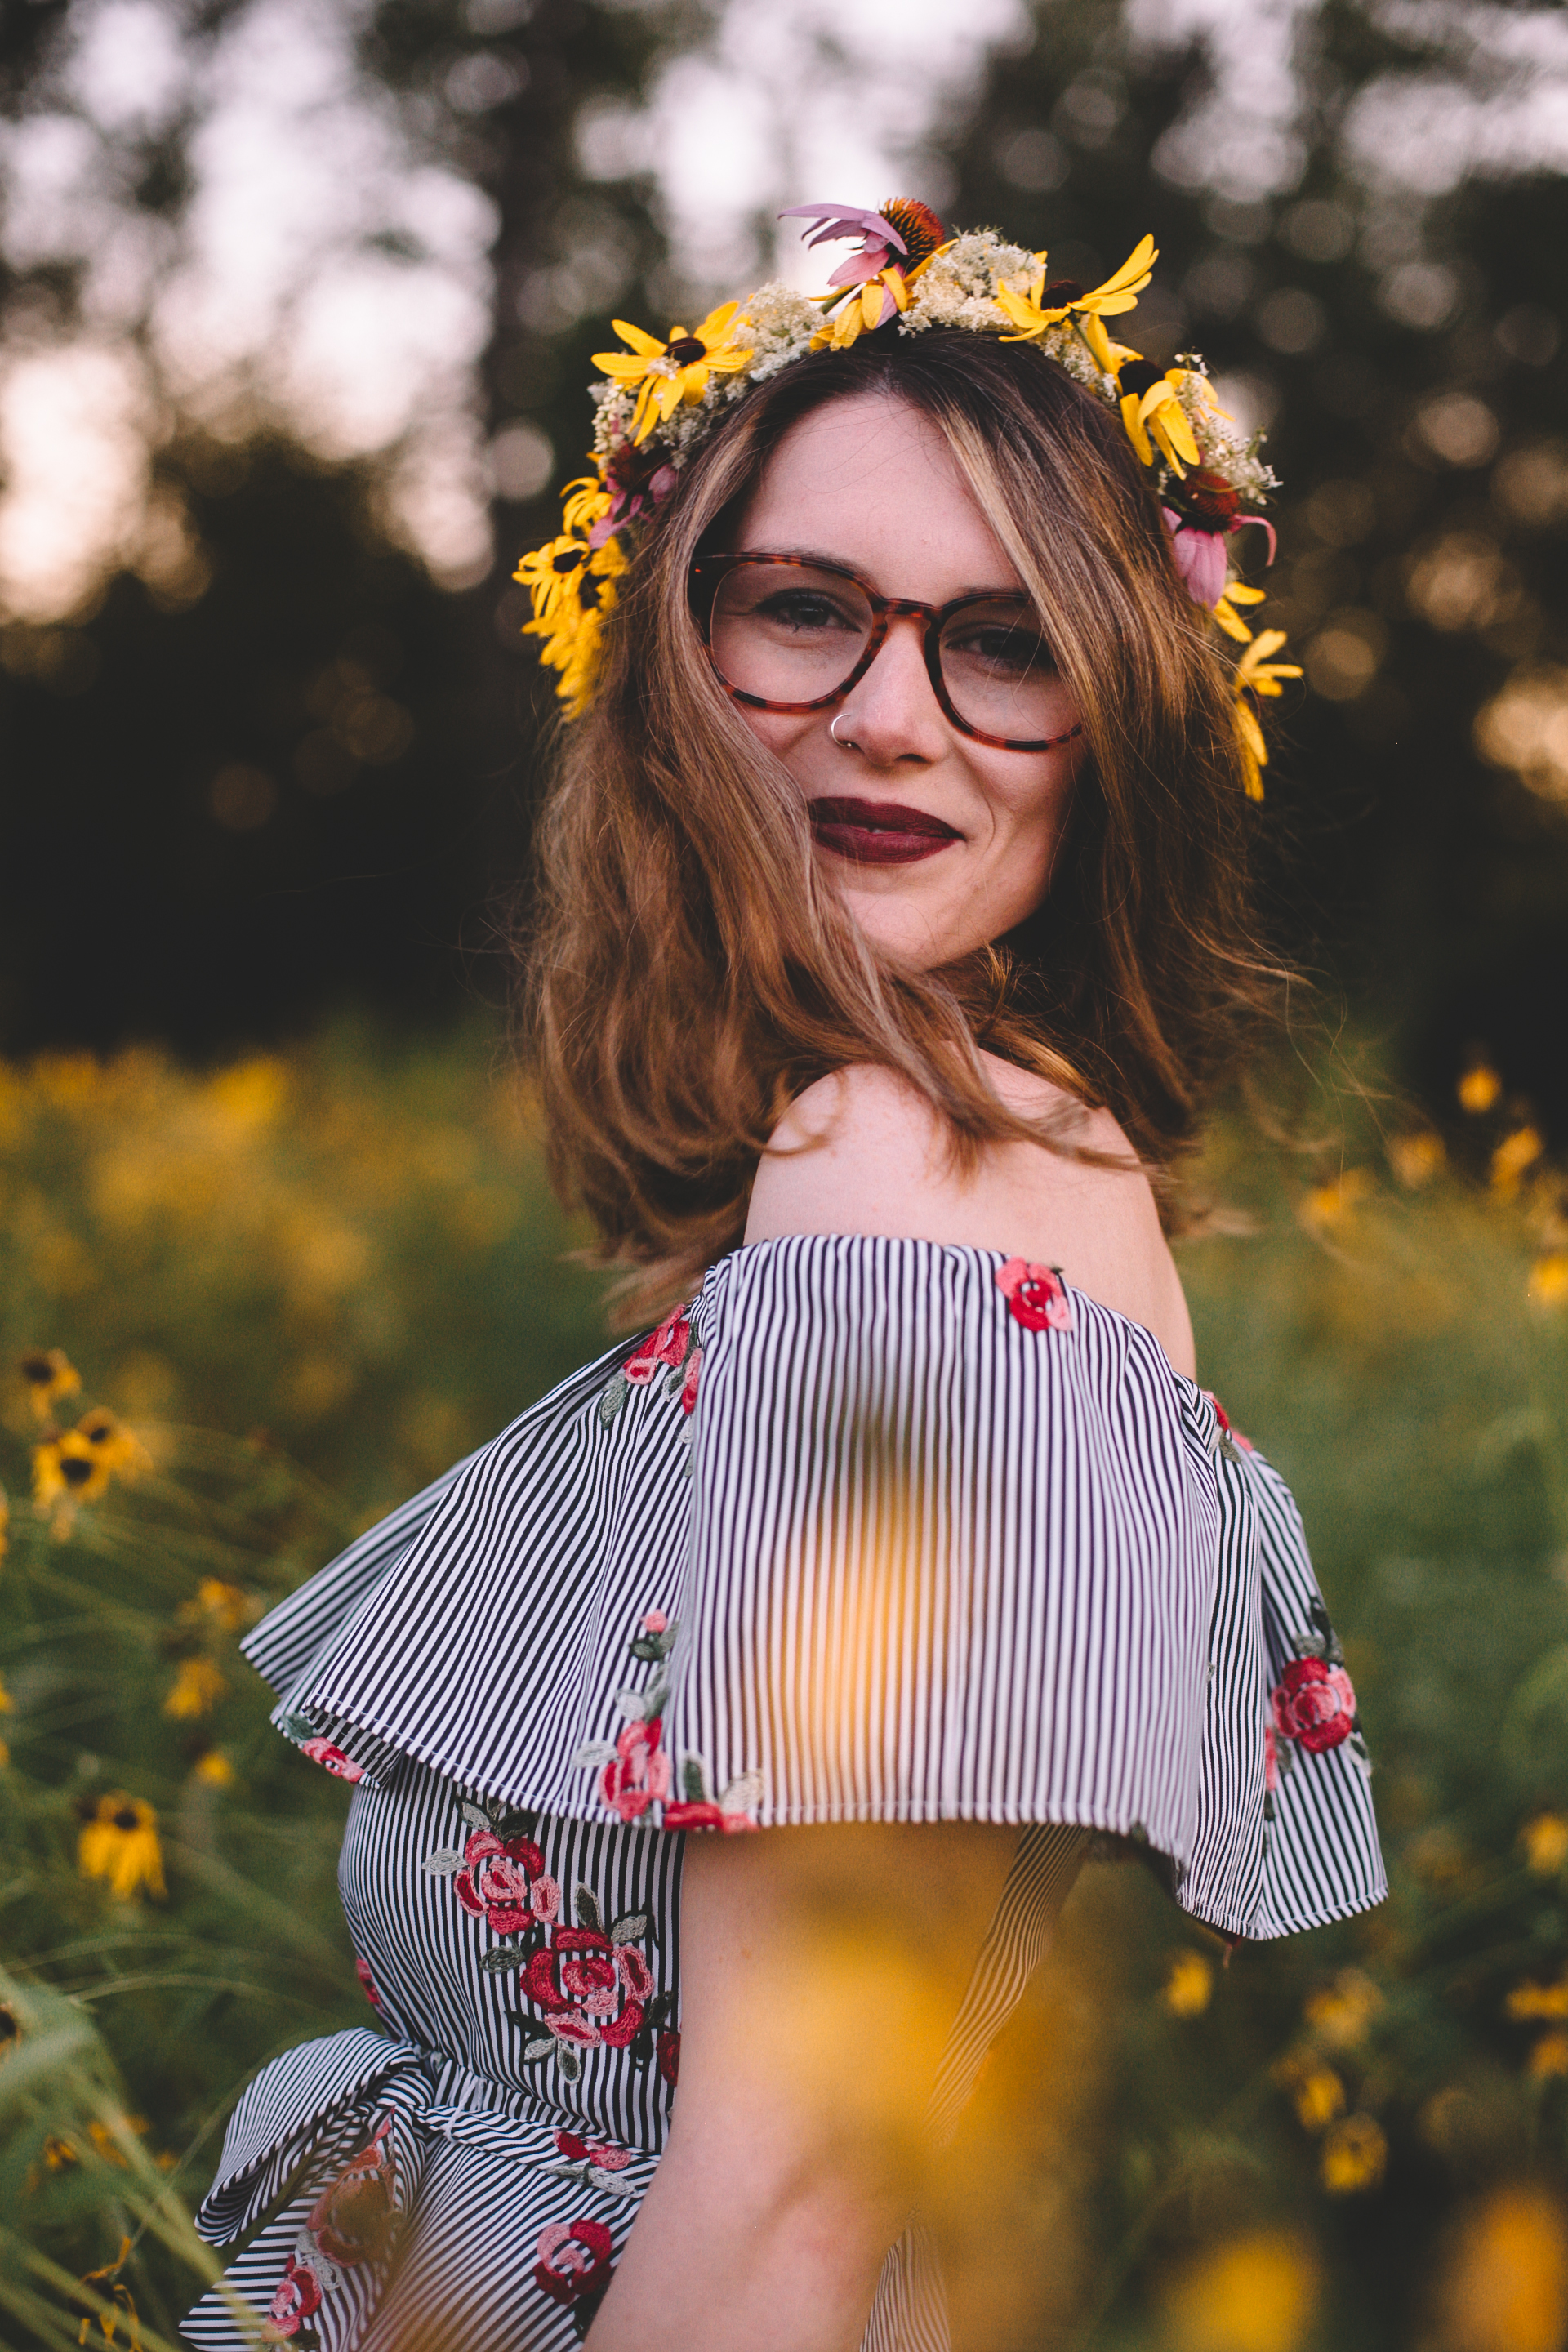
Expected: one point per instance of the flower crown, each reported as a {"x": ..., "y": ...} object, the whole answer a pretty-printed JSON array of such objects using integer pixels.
[{"x": 659, "y": 402}]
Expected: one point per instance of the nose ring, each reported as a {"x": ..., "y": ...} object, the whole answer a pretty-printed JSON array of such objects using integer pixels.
[{"x": 848, "y": 744}]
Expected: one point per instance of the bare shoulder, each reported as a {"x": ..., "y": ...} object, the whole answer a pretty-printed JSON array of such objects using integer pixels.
[{"x": 859, "y": 1152}]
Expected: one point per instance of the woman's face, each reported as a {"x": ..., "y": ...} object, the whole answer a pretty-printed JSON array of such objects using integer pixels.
[{"x": 937, "y": 843}]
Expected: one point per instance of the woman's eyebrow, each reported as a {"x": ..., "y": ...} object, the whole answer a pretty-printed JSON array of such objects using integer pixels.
[{"x": 836, "y": 564}]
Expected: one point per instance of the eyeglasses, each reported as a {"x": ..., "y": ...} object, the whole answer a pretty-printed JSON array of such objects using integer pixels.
[{"x": 787, "y": 633}]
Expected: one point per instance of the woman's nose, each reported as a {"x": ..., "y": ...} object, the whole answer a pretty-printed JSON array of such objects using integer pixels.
[{"x": 893, "y": 713}]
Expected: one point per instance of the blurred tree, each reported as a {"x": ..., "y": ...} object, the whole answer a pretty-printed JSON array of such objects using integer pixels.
[
  {"x": 1399, "y": 337},
  {"x": 267, "y": 764}
]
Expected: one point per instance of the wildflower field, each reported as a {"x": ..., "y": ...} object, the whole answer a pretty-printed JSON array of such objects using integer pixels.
[{"x": 244, "y": 1313}]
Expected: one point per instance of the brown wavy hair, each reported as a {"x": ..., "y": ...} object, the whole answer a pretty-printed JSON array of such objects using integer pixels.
[{"x": 687, "y": 969}]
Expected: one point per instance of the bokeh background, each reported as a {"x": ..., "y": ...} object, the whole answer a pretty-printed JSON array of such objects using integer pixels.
[{"x": 296, "y": 300}]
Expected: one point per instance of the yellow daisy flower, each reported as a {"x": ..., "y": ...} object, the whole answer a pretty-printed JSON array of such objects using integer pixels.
[
  {"x": 1032, "y": 314},
  {"x": 676, "y": 371},
  {"x": 48, "y": 1373},
  {"x": 197, "y": 1686},
  {"x": 1154, "y": 418},
  {"x": 121, "y": 1843},
  {"x": 116, "y": 1446},
  {"x": 229, "y": 1606},
  {"x": 1354, "y": 2156},
  {"x": 215, "y": 1770},
  {"x": 1225, "y": 613},
  {"x": 1256, "y": 673},
  {"x": 1189, "y": 1984},
  {"x": 570, "y": 585},
  {"x": 69, "y": 1469}
]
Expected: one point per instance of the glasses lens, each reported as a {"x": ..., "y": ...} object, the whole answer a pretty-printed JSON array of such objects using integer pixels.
[
  {"x": 787, "y": 632},
  {"x": 999, "y": 672}
]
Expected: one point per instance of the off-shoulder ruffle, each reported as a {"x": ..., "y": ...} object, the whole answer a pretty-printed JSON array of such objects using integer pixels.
[{"x": 920, "y": 1563}]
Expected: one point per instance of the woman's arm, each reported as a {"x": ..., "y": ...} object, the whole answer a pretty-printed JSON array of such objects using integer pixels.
[
  {"x": 861, "y": 1153},
  {"x": 820, "y": 1973}
]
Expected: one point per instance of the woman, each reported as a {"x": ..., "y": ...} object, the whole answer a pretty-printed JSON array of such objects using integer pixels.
[{"x": 893, "y": 933}]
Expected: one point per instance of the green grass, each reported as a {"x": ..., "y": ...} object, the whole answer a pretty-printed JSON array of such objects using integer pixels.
[{"x": 309, "y": 1282}]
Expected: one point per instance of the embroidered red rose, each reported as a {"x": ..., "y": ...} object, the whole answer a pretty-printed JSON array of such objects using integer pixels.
[
  {"x": 1270, "y": 1757},
  {"x": 362, "y": 1970},
  {"x": 591, "y": 1990},
  {"x": 596, "y": 2152},
  {"x": 331, "y": 1760},
  {"x": 296, "y": 2296},
  {"x": 689, "y": 1386},
  {"x": 573, "y": 2260},
  {"x": 638, "y": 1772},
  {"x": 1034, "y": 1296},
  {"x": 666, "y": 2047},
  {"x": 702, "y": 1813},
  {"x": 668, "y": 1345},
  {"x": 503, "y": 1881},
  {"x": 1314, "y": 1704}
]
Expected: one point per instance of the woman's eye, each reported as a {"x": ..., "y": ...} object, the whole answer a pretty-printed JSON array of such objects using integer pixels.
[
  {"x": 798, "y": 610},
  {"x": 1019, "y": 651}
]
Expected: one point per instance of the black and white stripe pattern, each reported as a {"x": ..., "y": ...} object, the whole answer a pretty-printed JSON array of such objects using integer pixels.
[{"x": 926, "y": 1564}]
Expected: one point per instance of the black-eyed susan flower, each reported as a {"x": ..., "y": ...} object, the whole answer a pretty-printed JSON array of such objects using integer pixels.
[
  {"x": 69, "y": 1469},
  {"x": 676, "y": 371},
  {"x": 50, "y": 1374},
  {"x": 1189, "y": 1984},
  {"x": 1319, "y": 2096},
  {"x": 1514, "y": 1155},
  {"x": 1545, "y": 1841},
  {"x": 1153, "y": 412},
  {"x": 572, "y": 587},
  {"x": 226, "y": 1606},
  {"x": 1355, "y": 2153},
  {"x": 117, "y": 1448},
  {"x": 197, "y": 1689},
  {"x": 1478, "y": 1089},
  {"x": 121, "y": 1843},
  {"x": 1052, "y": 303},
  {"x": 1257, "y": 673}
]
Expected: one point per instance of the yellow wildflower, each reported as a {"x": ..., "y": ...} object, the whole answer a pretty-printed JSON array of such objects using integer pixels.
[
  {"x": 1549, "y": 1279},
  {"x": 229, "y": 1606},
  {"x": 676, "y": 371},
  {"x": 1478, "y": 1089},
  {"x": 1257, "y": 673},
  {"x": 1549, "y": 2055},
  {"x": 215, "y": 1770},
  {"x": 121, "y": 1843},
  {"x": 115, "y": 2299},
  {"x": 69, "y": 1469},
  {"x": 197, "y": 1686},
  {"x": 1545, "y": 1843},
  {"x": 49, "y": 1374},
  {"x": 1339, "y": 2014},
  {"x": 1538, "y": 2000},
  {"x": 1416, "y": 1158},
  {"x": 1506, "y": 2288},
  {"x": 116, "y": 1446},
  {"x": 1320, "y": 2096},
  {"x": 1256, "y": 2294},
  {"x": 1034, "y": 315},
  {"x": 1514, "y": 1155},
  {"x": 1354, "y": 2155},
  {"x": 1229, "y": 619},
  {"x": 572, "y": 588},
  {"x": 1153, "y": 412},
  {"x": 1189, "y": 1984},
  {"x": 1330, "y": 1205}
]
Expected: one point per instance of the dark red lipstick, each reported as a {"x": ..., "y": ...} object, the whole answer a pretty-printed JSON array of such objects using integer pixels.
[{"x": 878, "y": 832}]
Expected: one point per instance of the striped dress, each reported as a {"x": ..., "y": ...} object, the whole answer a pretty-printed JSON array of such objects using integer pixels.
[{"x": 876, "y": 1530}]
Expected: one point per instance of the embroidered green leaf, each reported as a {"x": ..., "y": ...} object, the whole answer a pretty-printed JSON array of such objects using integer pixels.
[
  {"x": 613, "y": 1397},
  {"x": 629, "y": 1928},
  {"x": 609, "y": 2184},
  {"x": 295, "y": 1726},
  {"x": 588, "y": 1912},
  {"x": 694, "y": 1780},
  {"x": 648, "y": 1647},
  {"x": 476, "y": 1818},
  {"x": 1309, "y": 1645},
  {"x": 443, "y": 1861},
  {"x": 497, "y": 1962},
  {"x": 566, "y": 2058},
  {"x": 659, "y": 2008},
  {"x": 535, "y": 2050},
  {"x": 635, "y": 1702},
  {"x": 593, "y": 1754},
  {"x": 744, "y": 1791}
]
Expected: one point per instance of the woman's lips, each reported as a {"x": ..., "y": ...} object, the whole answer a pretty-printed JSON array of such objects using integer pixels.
[{"x": 878, "y": 832}]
